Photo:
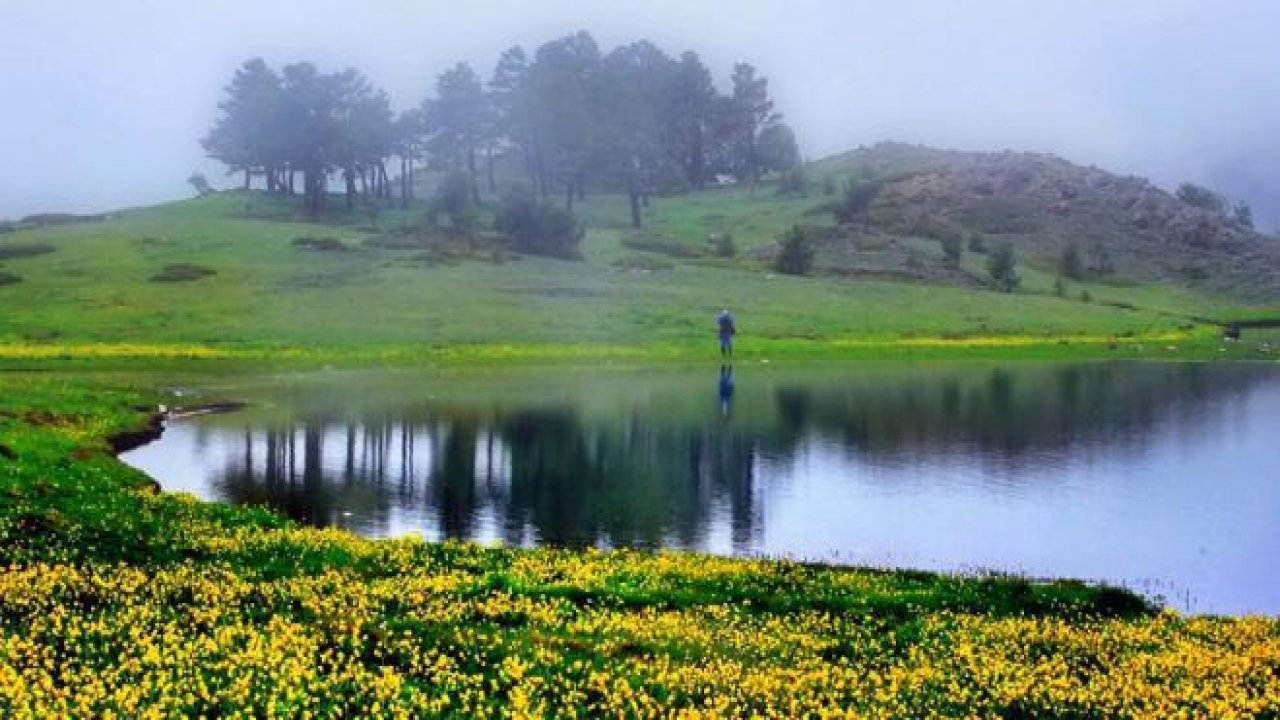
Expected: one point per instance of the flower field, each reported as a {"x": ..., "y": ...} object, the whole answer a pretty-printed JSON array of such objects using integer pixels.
[{"x": 118, "y": 601}]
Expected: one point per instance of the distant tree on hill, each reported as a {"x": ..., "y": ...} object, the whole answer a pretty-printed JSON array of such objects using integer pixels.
[
  {"x": 1071, "y": 265},
  {"x": 690, "y": 122},
  {"x": 1002, "y": 265},
  {"x": 1243, "y": 215},
  {"x": 977, "y": 244},
  {"x": 953, "y": 248},
  {"x": 201, "y": 185},
  {"x": 856, "y": 203},
  {"x": 634, "y": 119},
  {"x": 795, "y": 253},
  {"x": 635, "y": 81},
  {"x": 247, "y": 135},
  {"x": 778, "y": 148},
  {"x": 1200, "y": 197},
  {"x": 456, "y": 121},
  {"x": 455, "y": 201},
  {"x": 750, "y": 112},
  {"x": 1100, "y": 262}
]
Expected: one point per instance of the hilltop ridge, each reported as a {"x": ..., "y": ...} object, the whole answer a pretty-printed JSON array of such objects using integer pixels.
[{"x": 1124, "y": 227}]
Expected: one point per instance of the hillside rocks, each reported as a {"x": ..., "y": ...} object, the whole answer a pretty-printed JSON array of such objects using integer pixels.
[{"x": 1043, "y": 204}]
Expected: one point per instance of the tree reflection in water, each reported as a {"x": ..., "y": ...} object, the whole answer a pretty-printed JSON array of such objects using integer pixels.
[{"x": 670, "y": 473}]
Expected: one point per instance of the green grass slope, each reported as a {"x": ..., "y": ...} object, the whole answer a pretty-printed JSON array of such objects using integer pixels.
[{"x": 247, "y": 270}]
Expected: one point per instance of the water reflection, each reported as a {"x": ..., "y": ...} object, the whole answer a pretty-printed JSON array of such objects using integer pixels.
[{"x": 924, "y": 467}]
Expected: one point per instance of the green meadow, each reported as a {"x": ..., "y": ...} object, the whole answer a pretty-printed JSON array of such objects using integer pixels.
[{"x": 268, "y": 281}]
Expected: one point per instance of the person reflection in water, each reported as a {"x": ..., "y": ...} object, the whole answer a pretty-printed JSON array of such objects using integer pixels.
[{"x": 726, "y": 389}]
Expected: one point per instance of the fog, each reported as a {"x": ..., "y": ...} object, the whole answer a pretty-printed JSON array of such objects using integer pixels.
[{"x": 104, "y": 102}]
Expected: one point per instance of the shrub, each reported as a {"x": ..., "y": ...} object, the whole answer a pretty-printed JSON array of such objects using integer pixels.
[
  {"x": 914, "y": 260},
  {"x": 1002, "y": 264},
  {"x": 795, "y": 257},
  {"x": 12, "y": 252},
  {"x": 538, "y": 228},
  {"x": 1071, "y": 265},
  {"x": 793, "y": 182},
  {"x": 977, "y": 244},
  {"x": 455, "y": 201},
  {"x": 828, "y": 185},
  {"x": 1085, "y": 296},
  {"x": 952, "y": 248},
  {"x": 182, "y": 272},
  {"x": 722, "y": 245},
  {"x": 1060, "y": 286},
  {"x": 9, "y": 278},
  {"x": 1201, "y": 197},
  {"x": 1100, "y": 260},
  {"x": 856, "y": 202},
  {"x": 1243, "y": 215}
]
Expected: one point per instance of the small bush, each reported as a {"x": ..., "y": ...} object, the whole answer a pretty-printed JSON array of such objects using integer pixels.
[
  {"x": 1059, "y": 286},
  {"x": 643, "y": 263},
  {"x": 1002, "y": 265},
  {"x": 977, "y": 244},
  {"x": 326, "y": 244},
  {"x": 1071, "y": 264},
  {"x": 793, "y": 182},
  {"x": 915, "y": 260},
  {"x": 1201, "y": 197},
  {"x": 722, "y": 245},
  {"x": 182, "y": 272},
  {"x": 1085, "y": 296},
  {"x": 952, "y": 248},
  {"x": 828, "y": 185},
  {"x": 796, "y": 254},
  {"x": 13, "y": 252},
  {"x": 539, "y": 228},
  {"x": 856, "y": 202},
  {"x": 455, "y": 201},
  {"x": 7, "y": 278}
]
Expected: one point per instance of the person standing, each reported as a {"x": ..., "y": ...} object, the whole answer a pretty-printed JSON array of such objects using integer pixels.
[{"x": 727, "y": 329}]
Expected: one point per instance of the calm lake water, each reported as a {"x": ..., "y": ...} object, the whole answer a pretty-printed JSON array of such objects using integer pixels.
[{"x": 1163, "y": 477}]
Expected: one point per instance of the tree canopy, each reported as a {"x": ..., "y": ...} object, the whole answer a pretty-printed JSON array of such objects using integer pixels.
[{"x": 568, "y": 116}]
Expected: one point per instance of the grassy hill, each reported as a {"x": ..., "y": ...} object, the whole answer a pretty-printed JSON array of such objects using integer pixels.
[{"x": 248, "y": 270}]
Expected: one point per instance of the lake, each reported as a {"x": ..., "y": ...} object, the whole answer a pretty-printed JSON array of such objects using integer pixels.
[{"x": 1162, "y": 477}]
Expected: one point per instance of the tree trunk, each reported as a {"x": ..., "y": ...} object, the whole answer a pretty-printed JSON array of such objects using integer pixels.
[
  {"x": 471, "y": 165},
  {"x": 384, "y": 181},
  {"x": 697, "y": 161},
  {"x": 568, "y": 196},
  {"x": 246, "y": 178},
  {"x": 489, "y": 168},
  {"x": 404, "y": 181},
  {"x": 637, "y": 219}
]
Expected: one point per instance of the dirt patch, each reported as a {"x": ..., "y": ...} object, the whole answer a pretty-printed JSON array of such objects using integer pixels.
[
  {"x": 83, "y": 453},
  {"x": 182, "y": 272},
  {"x": 44, "y": 418},
  {"x": 131, "y": 439}
]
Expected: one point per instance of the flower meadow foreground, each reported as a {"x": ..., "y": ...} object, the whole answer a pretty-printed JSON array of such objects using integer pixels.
[{"x": 119, "y": 601}]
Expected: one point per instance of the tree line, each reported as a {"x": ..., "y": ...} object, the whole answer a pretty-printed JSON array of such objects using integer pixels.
[{"x": 569, "y": 117}]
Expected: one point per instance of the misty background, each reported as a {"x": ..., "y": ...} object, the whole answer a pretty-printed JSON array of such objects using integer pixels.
[{"x": 104, "y": 102}]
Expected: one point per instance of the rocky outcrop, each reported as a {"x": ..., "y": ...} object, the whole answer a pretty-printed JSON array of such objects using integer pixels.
[{"x": 1043, "y": 204}]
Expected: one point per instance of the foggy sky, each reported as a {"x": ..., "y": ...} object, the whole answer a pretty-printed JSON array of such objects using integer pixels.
[{"x": 103, "y": 102}]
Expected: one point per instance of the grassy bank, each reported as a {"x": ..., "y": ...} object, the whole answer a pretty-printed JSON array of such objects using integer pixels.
[{"x": 119, "y": 601}]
